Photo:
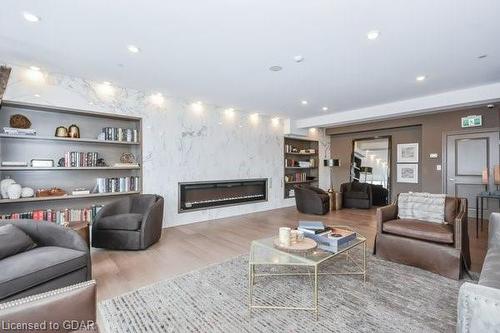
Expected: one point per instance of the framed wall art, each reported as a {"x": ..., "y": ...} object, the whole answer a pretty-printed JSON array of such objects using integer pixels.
[
  {"x": 408, "y": 153},
  {"x": 407, "y": 173}
]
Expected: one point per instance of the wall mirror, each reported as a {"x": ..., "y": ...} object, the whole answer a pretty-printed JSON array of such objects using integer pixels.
[{"x": 371, "y": 161}]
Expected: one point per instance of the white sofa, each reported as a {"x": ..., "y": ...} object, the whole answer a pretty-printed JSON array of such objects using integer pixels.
[{"x": 479, "y": 304}]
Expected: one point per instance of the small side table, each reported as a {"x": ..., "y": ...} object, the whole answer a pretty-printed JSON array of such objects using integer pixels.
[
  {"x": 82, "y": 228},
  {"x": 480, "y": 207},
  {"x": 335, "y": 200}
]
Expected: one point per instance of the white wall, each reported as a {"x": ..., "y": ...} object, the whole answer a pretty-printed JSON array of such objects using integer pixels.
[{"x": 179, "y": 144}]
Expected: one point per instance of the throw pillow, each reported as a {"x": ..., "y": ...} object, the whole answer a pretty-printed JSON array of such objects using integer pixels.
[
  {"x": 422, "y": 206},
  {"x": 13, "y": 241}
]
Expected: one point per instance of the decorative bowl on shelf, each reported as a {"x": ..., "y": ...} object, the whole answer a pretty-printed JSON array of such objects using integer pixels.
[{"x": 52, "y": 192}]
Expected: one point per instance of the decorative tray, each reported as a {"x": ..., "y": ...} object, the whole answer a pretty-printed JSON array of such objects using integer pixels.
[{"x": 306, "y": 245}]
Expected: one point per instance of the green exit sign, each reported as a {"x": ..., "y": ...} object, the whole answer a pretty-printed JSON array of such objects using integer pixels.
[{"x": 472, "y": 121}]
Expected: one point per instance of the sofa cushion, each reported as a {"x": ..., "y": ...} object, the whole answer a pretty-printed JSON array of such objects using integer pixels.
[
  {"x": 356, "y": 195},
  {"x": 422, "y": 206},
  {"x": 120, "y": 222},
  {"x": 34, "y": 267},
  {"x": 13, "y": 241},
  {"x": 490, "y": 274},
  {"x": 429, "y": 231}
]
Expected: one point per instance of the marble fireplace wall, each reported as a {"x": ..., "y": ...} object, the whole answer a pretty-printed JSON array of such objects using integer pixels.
[{"x": 180, "y": 143}]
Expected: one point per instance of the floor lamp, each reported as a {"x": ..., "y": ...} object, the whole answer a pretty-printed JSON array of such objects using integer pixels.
[{"x": 331, "y": 163}]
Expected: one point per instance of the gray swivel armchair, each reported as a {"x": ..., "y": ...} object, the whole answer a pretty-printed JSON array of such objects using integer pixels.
[
  {"x": 311, "y": 200},
  {"x": 356, "y": 195},
  {"x": 61, "y": 258},
  {"x": 131, "y": 223}
]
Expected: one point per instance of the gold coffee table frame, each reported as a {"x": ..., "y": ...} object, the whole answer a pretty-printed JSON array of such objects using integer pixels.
[{"x": 263, "y": 253}]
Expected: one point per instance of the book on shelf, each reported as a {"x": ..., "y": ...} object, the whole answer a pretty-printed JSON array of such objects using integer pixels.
[
  {"x": 14, "y": 164},
  {"x": 75, "y": 159},
  {"x": 118, "y": 184},
  {"x": 80, "y": 191},
  {"x": 126, "y": 165},
  {"x": 297, "y": 177},
  {"x": 291, "y": 163},
  {"x": 119, "y": 134},
  {"x": 58, "y": 216},
  {"x": 19, "y": 131}
]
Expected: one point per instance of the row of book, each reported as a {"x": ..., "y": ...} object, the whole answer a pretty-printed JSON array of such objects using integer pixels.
[
  {"x": 121, "y": 184},
  {"x": 297, "y": 177},
  {"x": 62, "y": 216},
  {"x": 311, "y": 163},
  {"x": 19, "y": 131},
  {"x": 80, "y": 159},
  {"x": 291, "y": 149},
  {"x": 119, "y": 134}
]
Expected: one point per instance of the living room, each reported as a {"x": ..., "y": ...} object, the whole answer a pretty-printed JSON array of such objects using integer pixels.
[{"x": 176, "y": 167}]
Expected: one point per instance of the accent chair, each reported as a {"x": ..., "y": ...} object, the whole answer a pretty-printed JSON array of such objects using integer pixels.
[
  {"x": 356, "y": 195},
  {"x": 131, "y": 223},
  {"x": 442, "y": 248},
  {"x": 311, "y": 200}
]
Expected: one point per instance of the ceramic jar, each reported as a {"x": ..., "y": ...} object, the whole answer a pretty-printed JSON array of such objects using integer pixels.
[{"x": 14, "y": 191}]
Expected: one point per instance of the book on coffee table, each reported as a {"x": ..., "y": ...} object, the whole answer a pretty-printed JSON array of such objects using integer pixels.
[{"x": 334, "y": 239}]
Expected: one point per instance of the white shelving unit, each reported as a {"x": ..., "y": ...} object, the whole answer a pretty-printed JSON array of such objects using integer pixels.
[{"x": 45, "y": 145}]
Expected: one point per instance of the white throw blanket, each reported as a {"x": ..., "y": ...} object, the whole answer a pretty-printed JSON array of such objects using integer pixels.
[{"x": 422, "y": 206}]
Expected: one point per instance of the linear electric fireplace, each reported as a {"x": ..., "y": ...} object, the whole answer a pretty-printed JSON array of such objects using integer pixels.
[{"x": 204, "y": 195}]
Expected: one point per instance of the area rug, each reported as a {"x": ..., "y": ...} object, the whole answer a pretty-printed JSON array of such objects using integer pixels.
[{"x": 395, "y": 298}]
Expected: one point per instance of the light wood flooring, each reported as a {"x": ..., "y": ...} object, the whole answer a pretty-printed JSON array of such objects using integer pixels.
[{"x": 194, "y": 246}]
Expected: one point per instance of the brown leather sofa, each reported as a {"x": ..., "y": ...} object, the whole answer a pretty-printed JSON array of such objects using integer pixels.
[
  {"x": 69, "y": 309},
  {"x": 439, "y": 248}
]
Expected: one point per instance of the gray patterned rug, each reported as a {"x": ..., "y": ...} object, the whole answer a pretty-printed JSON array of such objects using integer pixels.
[{"x": 395, "y": 298}]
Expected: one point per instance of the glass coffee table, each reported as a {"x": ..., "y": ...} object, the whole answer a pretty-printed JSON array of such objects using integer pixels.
[{"x": 263, "y": 253}]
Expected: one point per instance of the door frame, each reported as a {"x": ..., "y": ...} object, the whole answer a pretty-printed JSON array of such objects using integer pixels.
[
  {"x": 389, "y": 159},
  {"x": 444, "y": 144}
]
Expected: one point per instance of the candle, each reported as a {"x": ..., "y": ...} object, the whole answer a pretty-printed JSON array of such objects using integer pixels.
[{"x": 284, "y": 236}]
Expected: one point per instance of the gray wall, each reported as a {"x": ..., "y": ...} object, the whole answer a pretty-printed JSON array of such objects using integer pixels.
[{"x": 428, "y": 130}]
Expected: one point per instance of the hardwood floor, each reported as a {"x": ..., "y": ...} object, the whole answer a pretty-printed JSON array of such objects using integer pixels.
[{"x": 190, "y": 247}]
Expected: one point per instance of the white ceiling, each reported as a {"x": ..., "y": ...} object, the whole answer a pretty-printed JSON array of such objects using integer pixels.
[{"x": 219, "y": 51}]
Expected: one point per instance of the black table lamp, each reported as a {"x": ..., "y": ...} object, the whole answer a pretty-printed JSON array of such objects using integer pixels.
[{"x": 332, "y": 162}]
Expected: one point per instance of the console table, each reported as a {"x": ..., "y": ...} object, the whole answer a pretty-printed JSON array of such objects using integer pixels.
[{"x": 479, "y": 207}]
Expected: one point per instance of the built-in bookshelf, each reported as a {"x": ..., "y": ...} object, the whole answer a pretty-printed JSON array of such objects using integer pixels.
[
  {"x": 300, "y": 164},
  {"x": 102, "y": 135}
]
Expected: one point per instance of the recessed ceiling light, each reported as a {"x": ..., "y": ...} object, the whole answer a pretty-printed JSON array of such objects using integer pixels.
[
  {"x": 490, "y": 106},
  {"x": 30, "y": 17},
  {"x": 157, "y": 99},
  {"x": 106, "y": 83},
  {"x": 324, "y": 108},
  {"x": 133, "y": 49},
  {"x": 229, "y": 112},
  {"x": 36, "y": 95},
  {"x": 197, "y": 107},
  {"x": 275, "y": 121},
  {"x": 304, "y": 102},
  {"x": 421, "y": 77},
  {"x": 275, "y": 68},
  {"x": 298, "y": 58},
  {"x": 35, "y": 68},
  {"x": 373, "y": 34}
]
